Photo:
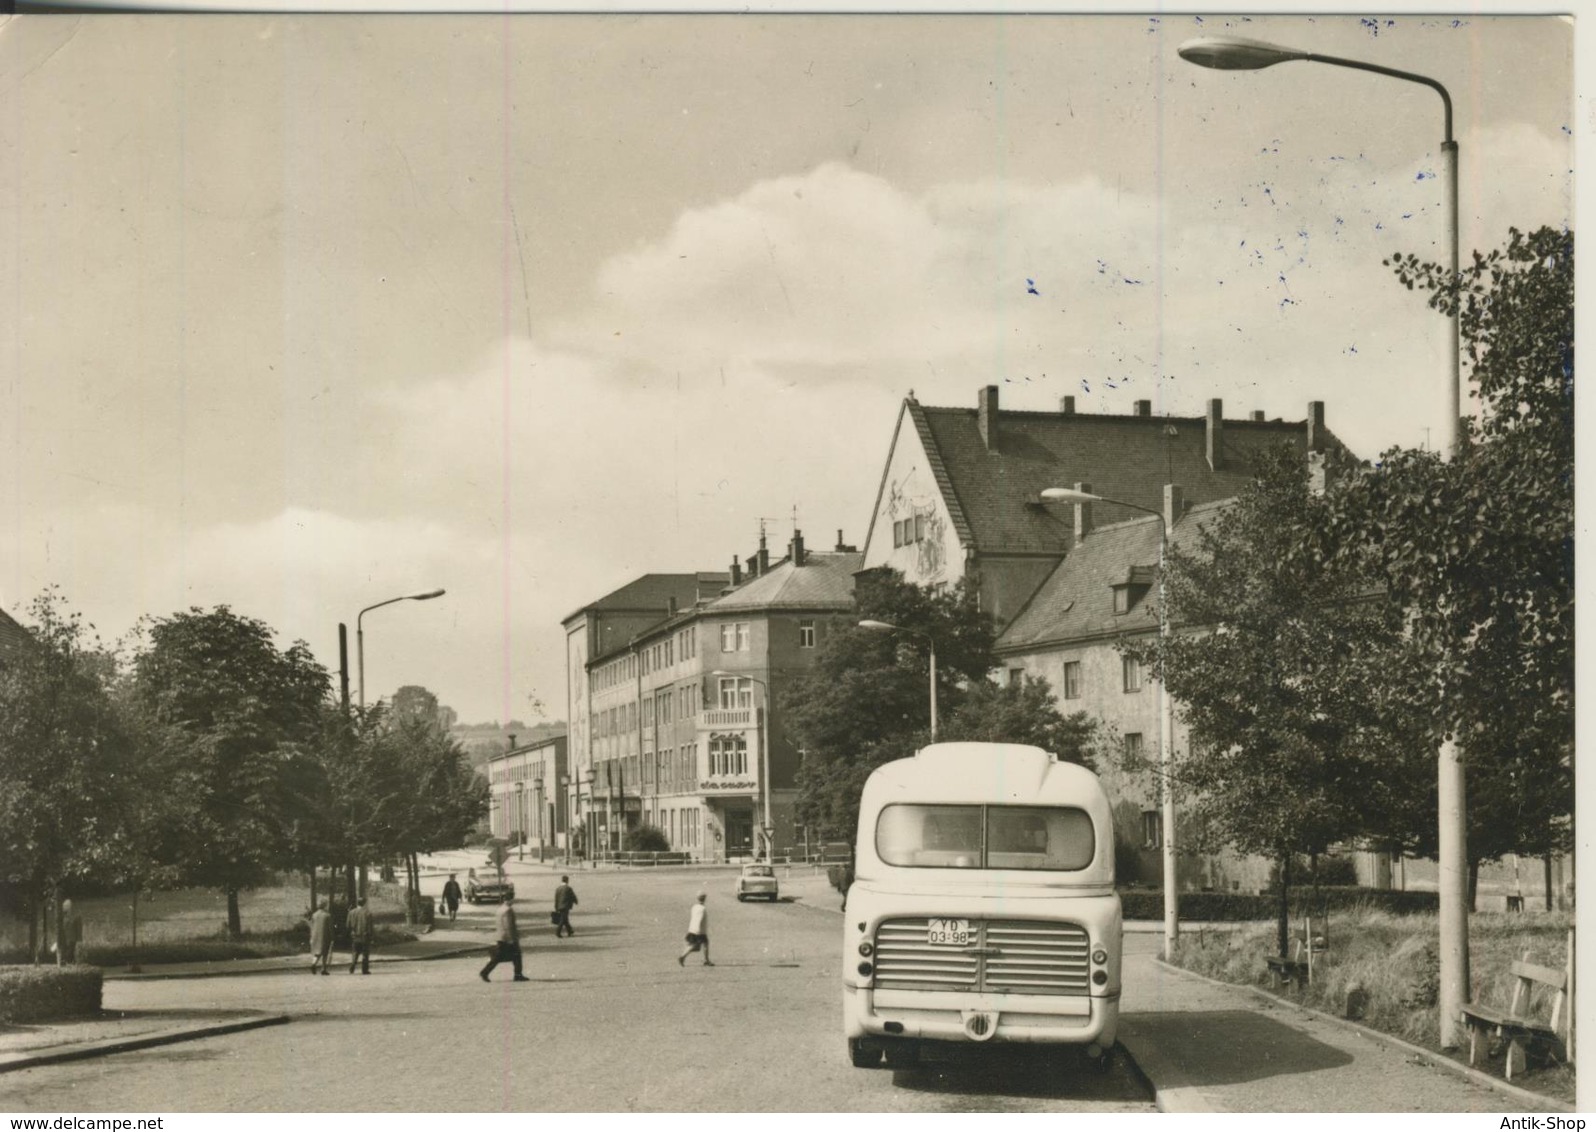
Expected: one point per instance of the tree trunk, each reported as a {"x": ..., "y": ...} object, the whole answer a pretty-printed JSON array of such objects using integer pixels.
[
  {"x": 349, "y": 887},
  {"x": 415, "y": 874},
  {"x": 134, "y": 965},
  {"x": 1546, "y": 877},
  {"x": 55, "y": 902},
  {"x": 363, "y": 891},
  {"x": 1474, "y": 885},
  {"x": 313, "y": 888},
  {"x": 33, "y": 923},
  {"x": 1283, "y": 911},
  {"x": 235, "y": 922}
]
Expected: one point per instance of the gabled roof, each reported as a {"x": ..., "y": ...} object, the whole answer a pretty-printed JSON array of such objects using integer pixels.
[
  {"x": 824, "y": 581},
  {"x": 655, "y": 591},
  {"x": 1077, "y": 600},
  {"x": 990, "y": 493},
  {"x": 13, "y": 637}
]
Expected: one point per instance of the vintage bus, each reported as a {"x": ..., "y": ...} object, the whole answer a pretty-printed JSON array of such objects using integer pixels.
[{"x": 983, "y": 906}]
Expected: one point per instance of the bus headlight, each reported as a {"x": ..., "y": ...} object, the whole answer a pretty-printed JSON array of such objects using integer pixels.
[
  {"x": 865, "y": 969},
  {"x": 865, "y": 948},
  {"x": 1099, "y": 977},
  {"x": 1100, "y": 956}
]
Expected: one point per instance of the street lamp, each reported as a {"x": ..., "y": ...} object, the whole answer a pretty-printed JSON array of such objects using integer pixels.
[
  {"x": 764, "y": 755},
  {"x": 565, "y": 804},
  {"x": 1166, "y": 706},
  {"x": 888, "y": 627},
  {"x": 520, "y": 821},
  {"x": 1231, "y": 54},
  {"x": 360, "y": 634}
]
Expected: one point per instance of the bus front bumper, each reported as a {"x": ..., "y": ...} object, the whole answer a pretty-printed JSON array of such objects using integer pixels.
[{"x": 962, "y": 1017}]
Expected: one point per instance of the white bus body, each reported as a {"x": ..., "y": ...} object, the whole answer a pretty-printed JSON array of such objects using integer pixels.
[{"x": 983, "y": 906}]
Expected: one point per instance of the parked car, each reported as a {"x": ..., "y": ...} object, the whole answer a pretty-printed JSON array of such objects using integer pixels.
[
  {"x": 757, "y": 880},
  {"x": 493, "y": 890}
]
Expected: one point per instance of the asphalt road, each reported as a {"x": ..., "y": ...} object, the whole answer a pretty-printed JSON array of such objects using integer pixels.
[{"x": 609, "y": 1023}]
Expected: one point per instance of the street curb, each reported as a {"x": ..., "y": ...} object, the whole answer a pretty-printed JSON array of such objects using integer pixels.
[
  {"x": 11, "y": 1062},
  {"x": 152, "y": 976},
  {"x": 1168, "y": 1098},
  {"x": 1440, "y": 1061}
]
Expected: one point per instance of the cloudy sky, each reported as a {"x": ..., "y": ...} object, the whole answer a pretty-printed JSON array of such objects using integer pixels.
[{"x": 302, "y": 313}]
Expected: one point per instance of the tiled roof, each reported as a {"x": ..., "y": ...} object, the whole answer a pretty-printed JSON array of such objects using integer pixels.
[
  {"x": 1077, "y": 600},
  {"x": 13, "y": 637},
  {"x": 654, "y": 591},
  {"x": 1127, "y": 457},
  {"x": 824, "y": 581}
]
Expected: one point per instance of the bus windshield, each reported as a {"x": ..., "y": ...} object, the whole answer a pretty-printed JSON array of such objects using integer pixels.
[{"x": 1053, "y": 838}]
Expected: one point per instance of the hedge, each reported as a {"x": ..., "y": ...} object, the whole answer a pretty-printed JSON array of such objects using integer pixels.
[
  {"x": 42, "y": 994},
  {"x": 1144, "y": 904}
]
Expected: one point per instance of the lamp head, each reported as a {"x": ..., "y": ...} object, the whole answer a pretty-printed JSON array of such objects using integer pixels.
[
  {"x": 879, "y": 626},
  {"x": 426, "y": 596},
  {"x": 1068, "y": 495},
  {"x": 1231, "y": 53}
]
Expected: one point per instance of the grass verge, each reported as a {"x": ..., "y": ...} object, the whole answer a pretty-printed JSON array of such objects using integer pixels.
[{"x": 1387, "y": 965}]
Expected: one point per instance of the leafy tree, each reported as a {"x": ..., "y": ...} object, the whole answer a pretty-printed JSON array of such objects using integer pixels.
[
  {"x": 647, "y": 839},
  {"x": 866, "y": 700},
  {"x": 242, "y": 711},
  {"x": 414, "y": 700},
  {"x": 1276, "y": 664},
  {"x": 62, "y": 746},
  {"x": 1479, "y": 551}
]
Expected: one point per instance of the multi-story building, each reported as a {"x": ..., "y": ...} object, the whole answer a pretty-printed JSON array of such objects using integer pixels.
[
  {"x": 959, "y": 495},
  {"x": 527, "y": 806},
  {"x": 686, "y": 732}
]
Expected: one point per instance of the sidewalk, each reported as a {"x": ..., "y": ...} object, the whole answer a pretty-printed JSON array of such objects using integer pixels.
[{"x": 1211, "y": 1047}]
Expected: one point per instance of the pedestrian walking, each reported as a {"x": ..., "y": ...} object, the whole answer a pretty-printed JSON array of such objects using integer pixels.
[
  {"x": 360, "y": 938},
  {"x": 507, "y": 947},
  {"x": 321, "y": 935},
  {"x": 697, "y": 931},
  {"x": 564, "y": 901},
  {"x": 71, "y": 932},
  {"x": 451, "y": 896}
]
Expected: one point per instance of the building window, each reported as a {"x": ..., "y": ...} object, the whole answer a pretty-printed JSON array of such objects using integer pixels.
[
  {"x": 1133, "y": 746},
  {"x": 665, "y": 709},
  {"x": 1152, "y": 829},
  {"x": 1072, "y": 679},
  {"x": 1016, "y": 677},
  {"x": 1121, "y": 599},
  {"x": 736, "y": 692},
  {"x": 648, "y": 714},
  {"x": 728, "y": 755},
  {"x": 728, "y": 638},
  {"x": 919, "y": 527},
  {"x": 806, "y": 634},
  {"x": 742, "y": 636},
  {"x": 1133, "y": 673},
  {"x": 897, "y": 533}
]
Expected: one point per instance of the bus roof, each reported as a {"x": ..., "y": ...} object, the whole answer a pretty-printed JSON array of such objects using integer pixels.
[{"x": 998, "y": 773}]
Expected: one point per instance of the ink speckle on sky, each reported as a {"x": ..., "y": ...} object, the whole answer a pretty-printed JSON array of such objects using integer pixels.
[{"x": 1030, "y": 287}]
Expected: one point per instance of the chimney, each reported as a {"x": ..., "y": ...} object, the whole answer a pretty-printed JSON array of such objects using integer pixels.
[
  {"x": 1066, "y": 405},
  {"x": 1083, "y": 515},
  {"x": 1315, "y": 426},
  {"x": 670, "y": 607},
  {"x": 986, "y": 416},
  {"x": 797, "y": 548},
  {"x": 512, "y": 741},
  {"x": 1144, "y": 408},
  {"x": 753, "y": 567},
  {"x": 1216, "y": 433},
  {"x": 1257, "y": 415},
  {"x": 736, "y": 572},
  {"x": 1174, "y": 505},
  {"x": 841, "y": 546}
]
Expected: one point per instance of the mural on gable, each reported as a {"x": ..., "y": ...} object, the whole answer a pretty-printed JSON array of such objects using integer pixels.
[{"x": 925, "y": 530}]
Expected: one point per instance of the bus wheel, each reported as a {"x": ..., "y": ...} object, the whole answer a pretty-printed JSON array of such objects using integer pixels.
[{"x": 863, "y": 1056}]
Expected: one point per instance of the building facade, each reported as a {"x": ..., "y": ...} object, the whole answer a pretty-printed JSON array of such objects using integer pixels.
[
  {"x": 684, "y": 727},
  {"x": 528, "y": 807}
]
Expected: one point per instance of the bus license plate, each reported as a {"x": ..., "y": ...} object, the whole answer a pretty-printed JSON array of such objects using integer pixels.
[{"x": 948, "y": 933}]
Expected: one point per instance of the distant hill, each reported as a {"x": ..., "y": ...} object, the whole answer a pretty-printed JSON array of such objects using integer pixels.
[{"x": 484, "y": 740}]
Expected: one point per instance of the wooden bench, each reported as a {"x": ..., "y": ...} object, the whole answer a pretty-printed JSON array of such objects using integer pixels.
[
  {"x": 1518, "y": 1025},
  {"x": 1306, "y": 944}
]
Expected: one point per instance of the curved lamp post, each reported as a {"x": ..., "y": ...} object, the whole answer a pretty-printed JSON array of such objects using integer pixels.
[
  {"x": 888, "y": 627},
  {"x": 1166, "y": 708},
  {"x": 764, "y": 755},
  {"x": 360, "y": 633},
  {"x": 1227, "y": 53}
]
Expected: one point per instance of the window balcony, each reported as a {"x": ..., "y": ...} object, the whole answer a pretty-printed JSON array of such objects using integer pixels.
[{"x": 722, "y": 718}]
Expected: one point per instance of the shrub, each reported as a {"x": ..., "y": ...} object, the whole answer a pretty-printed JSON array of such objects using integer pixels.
[
  {"x": 42, "y": 994},
  {"x": 647, "y": 839},
  {"x": 1223, "y": 907}
]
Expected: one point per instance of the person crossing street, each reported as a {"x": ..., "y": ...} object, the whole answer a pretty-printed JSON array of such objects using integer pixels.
[
  {"x": 564, "y": 901},
  {"x": 507, "y": 947}
]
